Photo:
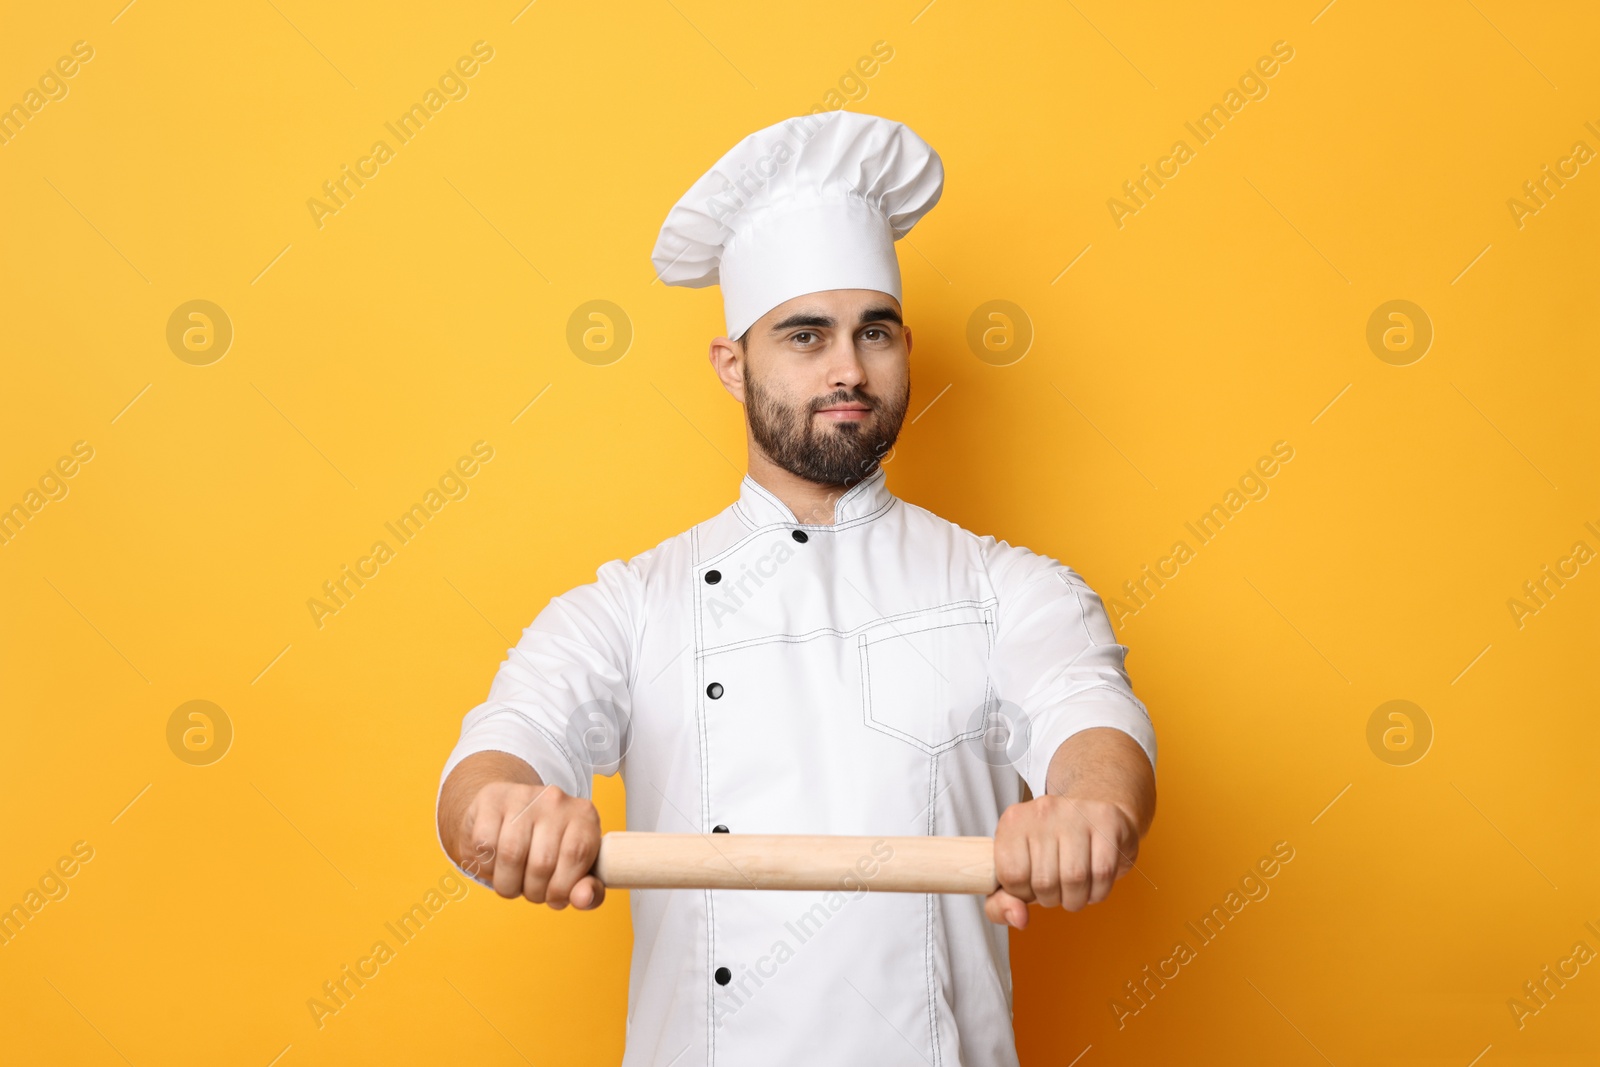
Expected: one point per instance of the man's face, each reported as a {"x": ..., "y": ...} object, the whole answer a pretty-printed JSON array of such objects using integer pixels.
[{"x": 826, "y": 383}]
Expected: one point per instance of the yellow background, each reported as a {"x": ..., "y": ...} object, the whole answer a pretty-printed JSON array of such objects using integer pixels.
[{"x": 370, "y": 353}]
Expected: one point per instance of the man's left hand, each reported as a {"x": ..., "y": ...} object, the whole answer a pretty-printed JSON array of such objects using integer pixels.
[{"x": 1059, "y": 850}]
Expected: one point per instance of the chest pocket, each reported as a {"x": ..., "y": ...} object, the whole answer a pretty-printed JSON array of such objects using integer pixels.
[{"x": 925, "y": 676}]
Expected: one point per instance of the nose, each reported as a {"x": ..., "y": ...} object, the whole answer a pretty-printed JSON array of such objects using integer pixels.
[{"x": 845, "y": 370}]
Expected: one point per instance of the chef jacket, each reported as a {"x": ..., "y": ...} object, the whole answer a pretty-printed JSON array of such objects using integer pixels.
[{"x": 756, "y": 674}]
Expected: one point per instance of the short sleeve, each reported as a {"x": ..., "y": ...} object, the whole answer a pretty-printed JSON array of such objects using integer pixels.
[
  {"x": 561, "y": 699},
  {"x": 1056, "y": 658}
]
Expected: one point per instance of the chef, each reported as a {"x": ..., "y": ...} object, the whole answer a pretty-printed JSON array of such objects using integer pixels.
[{"x": 821, "y": 657}]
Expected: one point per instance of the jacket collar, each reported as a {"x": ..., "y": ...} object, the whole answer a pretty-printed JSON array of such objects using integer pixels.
[{"x": 865, "y": 500}]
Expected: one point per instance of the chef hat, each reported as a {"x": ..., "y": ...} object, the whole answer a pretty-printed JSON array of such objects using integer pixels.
[{"x": 813, "y": 203}]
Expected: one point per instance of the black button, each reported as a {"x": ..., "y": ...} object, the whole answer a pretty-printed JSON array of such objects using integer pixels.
[
  {"x": 719, "y": 829},
  {"x": 800, "y": 535},
  {"x": 713, "y": 577},
  {"x": 723, "y": 976},
  {"x": 714, "y": 690}
]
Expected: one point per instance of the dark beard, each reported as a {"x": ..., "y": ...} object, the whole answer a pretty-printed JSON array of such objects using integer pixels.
[{"x": 843, "y": 454}]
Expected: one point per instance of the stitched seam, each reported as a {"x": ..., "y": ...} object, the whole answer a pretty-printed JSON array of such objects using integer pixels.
[
  {"x": 1082, "y": 611},
  {"x": 856, "y": 490},
  {"x": 928, "y": 905},
  {"x": 636, "y": 628},
  {"x": 1121, "y": 694},
  {"x": 827, "y": 631},
  {"x": 757, "y": 529},
  {"x": 711, "y": 952},
  {"x": 557, "y": 743},
  {"x": 926, "y": 630},
  {"x": 927, "y": 974},
  {"x": 771, "y": 498},
  {"x": 932, "y": 750},
  {"x": 705, "y": 788},
  {"x": 866, "y": 681},
  {"x": 792, "y": 523},
  {"x": 782, "y": 508},
  {"x": 1083, "y": 617},
  {"x": 785, "y": 526},
  {"x": 882, "y": 727},
  {"x": 577, "y": 771},
  {"x": 1034, "y": 754},
  {"x": 699, "y": 686},
  {"x": 990, "y": 697},
  {"x": 860, "y": 489}
]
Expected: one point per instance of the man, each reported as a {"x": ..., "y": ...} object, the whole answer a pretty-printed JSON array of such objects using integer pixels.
[{"x": 820, "y": 657}]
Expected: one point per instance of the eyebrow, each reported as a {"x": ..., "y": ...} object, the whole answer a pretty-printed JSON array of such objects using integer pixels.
[{"x": 881, "y": 313}]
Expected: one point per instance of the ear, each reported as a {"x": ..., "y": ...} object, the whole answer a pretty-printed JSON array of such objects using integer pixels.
[{"x": 727, "y": 361}]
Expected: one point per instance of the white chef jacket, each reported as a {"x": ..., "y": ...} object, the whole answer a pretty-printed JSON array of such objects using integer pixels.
[{"x": 761, "y": 675}]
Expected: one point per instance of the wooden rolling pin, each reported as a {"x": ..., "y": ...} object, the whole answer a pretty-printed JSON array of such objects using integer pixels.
[{"x": 634, "y": 860}]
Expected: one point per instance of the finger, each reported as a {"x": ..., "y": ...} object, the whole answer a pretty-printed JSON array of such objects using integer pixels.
[
  {"x": 1118, "y": 833},
  {"x": 1044, "y": 855},
  {"x": 543, "y": 850},
  {"x": 1075, "y": 858},
  {"x": 510, "y": 857},
  {"x": 477, "y": 848},
  {"x": 480, "y": 864},
  {"x": 483, "y": 841},
  {"x": 1127, "y": 853},
  {"x": 589, "y": 893},
  {"x": 1002, "y": 907},
  {"x": 1011, "y": 860},
  {"x": 525, "y": 807},
  {"x": 580, "y": 843},
  {"x": 1104, "y": 866}
]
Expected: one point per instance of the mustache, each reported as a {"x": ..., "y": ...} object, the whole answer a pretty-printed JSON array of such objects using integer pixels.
[{"x": 843, "y": 398}]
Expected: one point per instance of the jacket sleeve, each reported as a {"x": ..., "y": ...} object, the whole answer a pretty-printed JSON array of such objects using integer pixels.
[
  {"x": 561, "y": 698},
  {"x": 1056, "y": 658}
]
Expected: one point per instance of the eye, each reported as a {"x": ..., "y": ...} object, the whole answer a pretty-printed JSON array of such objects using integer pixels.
[
  {"x": 882, "y": 334},
  {"x": 803, "y": 337}
]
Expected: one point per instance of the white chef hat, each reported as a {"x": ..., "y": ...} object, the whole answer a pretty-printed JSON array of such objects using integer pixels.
[{"x": 813, "y": 203}]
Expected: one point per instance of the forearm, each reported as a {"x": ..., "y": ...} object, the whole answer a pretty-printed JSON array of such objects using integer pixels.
[
  {"x": 466, "y": 779},
  {"x": 1104, "y": 763}
]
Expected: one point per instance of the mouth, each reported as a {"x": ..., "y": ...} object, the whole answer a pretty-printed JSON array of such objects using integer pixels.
[{"x": 845, "y": 412}]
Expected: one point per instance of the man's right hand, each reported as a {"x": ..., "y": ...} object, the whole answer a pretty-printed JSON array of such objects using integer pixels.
[{"x": 524, "y": 838}]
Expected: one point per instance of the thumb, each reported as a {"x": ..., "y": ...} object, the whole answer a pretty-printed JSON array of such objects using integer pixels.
[
  {"x": 588, "y": 893},
  {"x": 1002, "y": 907}
]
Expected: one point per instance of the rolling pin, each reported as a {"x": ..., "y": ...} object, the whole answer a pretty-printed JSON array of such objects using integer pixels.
[{"x": 636, "y": 860}]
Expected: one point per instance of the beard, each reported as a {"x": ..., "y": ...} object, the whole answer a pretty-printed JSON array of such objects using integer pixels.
[{"x": 840, "y": 453}]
